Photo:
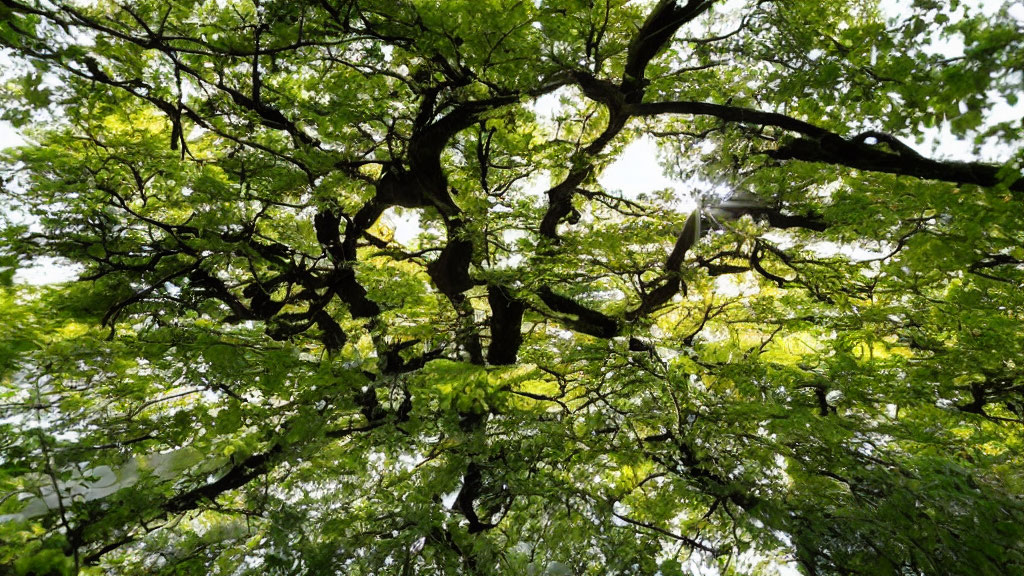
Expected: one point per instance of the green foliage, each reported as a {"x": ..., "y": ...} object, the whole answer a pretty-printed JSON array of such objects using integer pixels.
[{"x": 352, "y": 297}]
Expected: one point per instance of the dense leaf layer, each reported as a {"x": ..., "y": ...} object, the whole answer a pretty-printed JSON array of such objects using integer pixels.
[{"x": 353, "y": 298}]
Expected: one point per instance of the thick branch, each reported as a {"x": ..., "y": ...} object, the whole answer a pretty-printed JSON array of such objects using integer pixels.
[
  {"x": 581, "y": 318},
  {"x": 472, "y": 488},
  {"x": 661, "y": 25},
  {"x": 852, "y": 154},
  {"x": 732, "y": 114},
  {"x": 450, "y": 271},
  {"x": 560, "y": 202},
  {"x": 506, "y": 326},
  {"x": 821, "y": 145}
]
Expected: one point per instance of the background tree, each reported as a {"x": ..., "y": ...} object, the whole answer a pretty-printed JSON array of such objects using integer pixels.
[{"x": 821, "y": 365}]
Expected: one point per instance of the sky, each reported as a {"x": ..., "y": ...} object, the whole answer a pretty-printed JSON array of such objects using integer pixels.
[{"x": 8, "y": 136}]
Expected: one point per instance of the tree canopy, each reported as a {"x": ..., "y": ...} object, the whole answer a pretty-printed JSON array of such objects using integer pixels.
[{"x": 353, "y": 299}]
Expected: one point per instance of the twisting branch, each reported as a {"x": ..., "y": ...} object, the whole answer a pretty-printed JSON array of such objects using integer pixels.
[
  {"x": 658, "y": 28},
  {"x": 817, "y": 144}
]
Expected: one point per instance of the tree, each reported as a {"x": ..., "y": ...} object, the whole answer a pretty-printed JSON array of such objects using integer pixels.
[{"x": 820, "y": 365}]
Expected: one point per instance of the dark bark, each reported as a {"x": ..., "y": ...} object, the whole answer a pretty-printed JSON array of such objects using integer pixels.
[
  {"x": 853, "y": 154},
  {"x": 654, "y": 35},
  {"x": 580, "y": 318},
  {"x": 732, "y": 114},
  {"x": 450, "y": 271},
  {"x": 822, "y": 146},
  {"x": 667, "y": 17},
  {"x": 560, "y": 202},
  {"x": 327, "y": 225},
  {"x": 506, "y": 326},
  {"x": 331, "y": 333},
  {"x": 472, "y": 487},
  {"x": 351, "y": 292},
  {"x": 687, "y": 239}
]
